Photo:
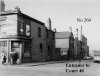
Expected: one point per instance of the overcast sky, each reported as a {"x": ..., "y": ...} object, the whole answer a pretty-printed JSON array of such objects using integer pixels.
[{"x": 64, "y": 14}]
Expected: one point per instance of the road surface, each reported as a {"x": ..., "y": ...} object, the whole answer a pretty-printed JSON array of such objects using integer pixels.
[{"x": 57, "y": 69}]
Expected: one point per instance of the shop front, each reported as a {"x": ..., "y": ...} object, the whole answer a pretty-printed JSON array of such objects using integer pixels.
[{"x": 21, "y": 47}]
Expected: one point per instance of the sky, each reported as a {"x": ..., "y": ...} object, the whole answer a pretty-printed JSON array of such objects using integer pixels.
[{"x": 64, "y": 14}]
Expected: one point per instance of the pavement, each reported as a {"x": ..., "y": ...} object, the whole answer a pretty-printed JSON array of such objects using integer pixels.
[
  {"x": 50, "y": 68},
  {"x": 34, "y": 63},
  {"x": 49, "y": 62},
  {"x": 40, "y": 63},
  {"x": 45, "y": 63}
]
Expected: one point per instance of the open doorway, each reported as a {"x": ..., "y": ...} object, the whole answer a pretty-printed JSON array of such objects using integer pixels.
[{"x": 16, "y": 47}]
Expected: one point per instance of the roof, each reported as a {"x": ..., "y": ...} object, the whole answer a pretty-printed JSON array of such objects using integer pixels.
[
  {"x": 62, "y": 35},
  {"x": 10, "y": 12},
  {"x": 49, "y": 30},
  {"x": 83, "y": 37}
]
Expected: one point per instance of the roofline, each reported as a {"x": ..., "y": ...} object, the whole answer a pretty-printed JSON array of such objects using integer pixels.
[
  {"x": 62, "y": 38},
  {"x": 49, "y": 30},
  {"x": 63, "y": 32},
  {"x": 31, "y": 18},
  {"x": 22, "y": 14}
]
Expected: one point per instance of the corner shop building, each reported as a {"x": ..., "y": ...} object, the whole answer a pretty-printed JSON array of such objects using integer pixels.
[{"x": 25, "y": 35}]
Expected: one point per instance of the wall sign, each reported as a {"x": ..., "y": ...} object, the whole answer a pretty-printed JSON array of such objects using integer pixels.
[{"x": 28, "y": 30}]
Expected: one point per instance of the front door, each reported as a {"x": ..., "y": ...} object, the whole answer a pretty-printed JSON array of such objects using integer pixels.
[{"x": 17, "y": 47}]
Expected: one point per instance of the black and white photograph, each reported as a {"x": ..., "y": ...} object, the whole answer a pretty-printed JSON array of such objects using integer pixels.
[{"x": 49, "y": 37}]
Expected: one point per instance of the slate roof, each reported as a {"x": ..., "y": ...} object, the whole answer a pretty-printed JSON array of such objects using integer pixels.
[
  {"x": 62, "y": 35},
  {"x": 11, "y": 12}
]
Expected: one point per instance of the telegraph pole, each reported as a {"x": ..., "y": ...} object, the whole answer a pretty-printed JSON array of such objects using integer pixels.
[
  {"x": 77, "y": 39},
  {"x": 77, "y": 45},
  {"x": 81, "y": 42},
  {"x": 77, "y": 33}
]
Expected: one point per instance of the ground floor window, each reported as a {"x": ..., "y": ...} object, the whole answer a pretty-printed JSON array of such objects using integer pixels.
[{"x": 3, "y": 47}]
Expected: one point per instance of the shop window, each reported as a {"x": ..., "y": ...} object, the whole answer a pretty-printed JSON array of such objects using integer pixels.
[
  {"x": 39, "y": 32},
  {"x": 3, "y": 43},
  {"x": 3, "y": 47}
]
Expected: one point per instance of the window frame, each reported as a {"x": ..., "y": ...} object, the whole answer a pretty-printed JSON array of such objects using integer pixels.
[{"x": 39, "y": 32}]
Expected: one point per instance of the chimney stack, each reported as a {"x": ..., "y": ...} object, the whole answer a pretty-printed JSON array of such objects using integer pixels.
[{"x": 49, "y": 24}]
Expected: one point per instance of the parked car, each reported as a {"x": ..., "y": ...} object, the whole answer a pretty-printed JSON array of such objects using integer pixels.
[
  {"x": 96, "y": 55},
  {"x": 96, "y": 59}
]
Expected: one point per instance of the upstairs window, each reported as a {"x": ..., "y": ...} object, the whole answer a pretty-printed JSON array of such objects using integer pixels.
[
  {"x": 47, "y": 34},
  {"x": 39, "y": 32}
]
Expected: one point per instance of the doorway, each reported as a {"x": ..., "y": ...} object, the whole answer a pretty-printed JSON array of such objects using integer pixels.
[{"x": 16, "y": 46}]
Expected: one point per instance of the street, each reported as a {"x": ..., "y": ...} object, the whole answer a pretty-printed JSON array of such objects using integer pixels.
[{"x": 56, "y": 69}]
